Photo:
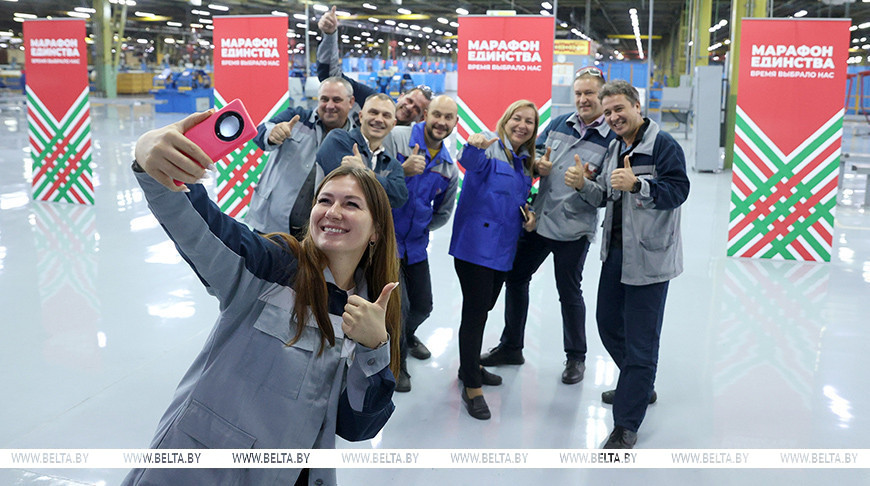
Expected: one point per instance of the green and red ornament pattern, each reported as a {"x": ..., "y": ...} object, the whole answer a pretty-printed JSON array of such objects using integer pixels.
[
  {"x": 788, "y": 138},
  {"x": 58, "y": 112},
  {"x": 250, "y": 63}
]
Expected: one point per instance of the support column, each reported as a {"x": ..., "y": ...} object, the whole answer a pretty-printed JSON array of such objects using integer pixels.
[
  {"x": 106, "y": 74},
  {"x": 739, "y": 9},
  {"x": 703, "y": 21}
]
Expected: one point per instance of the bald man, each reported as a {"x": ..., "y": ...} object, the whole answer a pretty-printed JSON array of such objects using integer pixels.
[{"x": 432, "y": 181}]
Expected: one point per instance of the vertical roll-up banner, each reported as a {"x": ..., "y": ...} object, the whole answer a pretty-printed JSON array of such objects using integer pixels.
[
  {"x": 58, "y": 112},
  {"x": 502, "y": 60},
  {"x": 788, "y": 135},
  {"x": 250, "y": 63}
]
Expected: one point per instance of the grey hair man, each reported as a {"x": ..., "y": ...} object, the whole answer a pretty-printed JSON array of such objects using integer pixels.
[{"x": 282, "y": 198}]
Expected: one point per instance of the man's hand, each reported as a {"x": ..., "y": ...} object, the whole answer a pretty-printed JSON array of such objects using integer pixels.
[
  {"x": 543, "y": 165},
  {"x": 415, "y": 163},
  {"x": 168, "y": 156},
  {"x": 328, "y": 22},
  {"x": 623, "y": 179},
  {"x": 354, "y": 160},
  {"x": 480, "y": 141},
  {"x": 575, "y": 176},
  {"x": 364, "y": 321},
  {"x": 282, "y": 131}
]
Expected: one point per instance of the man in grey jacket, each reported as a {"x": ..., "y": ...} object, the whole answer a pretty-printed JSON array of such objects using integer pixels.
[
  {"x": 642, "y": 183},
  {"x": 282, "y": 198},
  {"x": 566, "y": 225}
]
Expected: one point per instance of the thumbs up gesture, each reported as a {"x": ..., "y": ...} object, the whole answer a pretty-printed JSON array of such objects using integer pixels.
[
  {"x": 543, "y": 165},
  {"x": 364, "y": 321},
  {"x": 575, "y": 176},
  {"x": 480, "y": 141},
  {"x": 623, "y": 179},
  {"x": 281, "y": 131},
  {"x": 354, "y": 160},
  {"x": 415, "y": 164},
  {"x": 171, "y": 158},
  {"x": 328, "y": 22}
]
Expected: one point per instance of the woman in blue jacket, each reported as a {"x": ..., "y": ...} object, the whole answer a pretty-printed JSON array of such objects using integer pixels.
[
  {"x": 301, "y": 351},
  {"x": 486, "y": 227}
]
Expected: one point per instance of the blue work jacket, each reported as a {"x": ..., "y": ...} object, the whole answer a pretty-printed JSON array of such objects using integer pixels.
[
  {"x": 431, "y": 195},
  {"x": 487, "y": 223}
]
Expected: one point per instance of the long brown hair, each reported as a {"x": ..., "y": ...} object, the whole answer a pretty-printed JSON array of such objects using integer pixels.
[
  {"x": 530, "y": 143},
  {"x": 379, "y": 262}
]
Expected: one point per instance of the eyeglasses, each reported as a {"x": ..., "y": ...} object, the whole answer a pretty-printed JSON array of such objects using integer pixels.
[
  {"x": 591, "y": 71},
  {"x": 427, "y": 91}
]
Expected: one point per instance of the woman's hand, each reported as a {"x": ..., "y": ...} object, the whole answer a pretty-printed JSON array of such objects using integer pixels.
[
  {"x": 364, "y": 321},
  {"x": 168, "y": 156},
  {"x": 532, "y": 222},
  {"x": 480, "y": 141}
]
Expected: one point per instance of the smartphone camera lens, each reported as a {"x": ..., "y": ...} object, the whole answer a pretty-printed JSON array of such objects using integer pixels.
[{"x": 228, "y": 126}]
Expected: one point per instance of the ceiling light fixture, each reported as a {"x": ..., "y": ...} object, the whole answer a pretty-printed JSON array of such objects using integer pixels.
[{"x": 635, "y": 25}]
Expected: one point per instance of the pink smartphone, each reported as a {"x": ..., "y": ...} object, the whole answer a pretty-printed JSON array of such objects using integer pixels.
[{"x": 224, "y": 131}]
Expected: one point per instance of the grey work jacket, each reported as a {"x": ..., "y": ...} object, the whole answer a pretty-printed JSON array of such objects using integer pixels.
[
  {"x": 249, "y": 388},
  {"x": 562, "y": 214},
  {"x": 651, "y": 241},
  {"x": 287, "y": 167}
]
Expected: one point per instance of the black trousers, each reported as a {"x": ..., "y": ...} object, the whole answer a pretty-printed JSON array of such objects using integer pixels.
[
  {"x": 568, "y": 260},
  {"x": 416, "y": 289},
  {"x": 480, "y": 289}
]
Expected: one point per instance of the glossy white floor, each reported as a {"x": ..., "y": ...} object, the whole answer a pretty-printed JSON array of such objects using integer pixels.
[{"x": 100, "y": 319}]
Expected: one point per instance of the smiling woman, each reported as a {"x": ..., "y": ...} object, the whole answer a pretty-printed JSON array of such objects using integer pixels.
[
  {"x": 308, "y": 331},
  {"x": 490, "y": 215}
]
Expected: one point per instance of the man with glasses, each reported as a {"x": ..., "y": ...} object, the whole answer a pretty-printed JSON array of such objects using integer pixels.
[
  {"x": 565, "y": 225},
  {"x": 410, "y": 105}
]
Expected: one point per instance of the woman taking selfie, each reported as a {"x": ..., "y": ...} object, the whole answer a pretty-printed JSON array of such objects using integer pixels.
[
  {"x": 308, "y": 331},
  {"x": 490, "y": 215}
]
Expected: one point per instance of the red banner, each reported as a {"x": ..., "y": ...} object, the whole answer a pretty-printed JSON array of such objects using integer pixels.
[
  {"x": 58, "y": 111},
  {"x": 501, "y": 60},
  {"x": 788, "y": 134},
  {"x": 56, "y": 62},
  {"x": 250, "y": 63}
]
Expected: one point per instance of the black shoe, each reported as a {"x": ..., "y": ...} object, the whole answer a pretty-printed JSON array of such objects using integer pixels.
[
  {"x": 403, "y": 381},
  {"x": 501, "y": 356},
  {"x": 573, "y": 371},
  {"x": 476, "y": 406},
  {"x": 621, "y": 438},
  {"x": 417, "y": 349},
  {"x": 607, "y": 397},
  {"x": 488, "y": 378}
]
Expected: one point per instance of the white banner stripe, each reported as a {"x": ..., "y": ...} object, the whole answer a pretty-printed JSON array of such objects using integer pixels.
[
  {"x": 32, "y": 96},
  {"x": 276, "y": 107},
  {"x": 809, "y": 140},
  {"x": 80, "y": 99},
  {"x": 470, "y": 114},
  {"x": 759, "y": 154}
]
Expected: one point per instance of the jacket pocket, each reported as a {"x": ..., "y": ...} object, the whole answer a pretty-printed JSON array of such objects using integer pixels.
[
  {"x": 658, "y": 255},
  {"x": 212, "y": 430},
  {"x": 269, "y": 360}
]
